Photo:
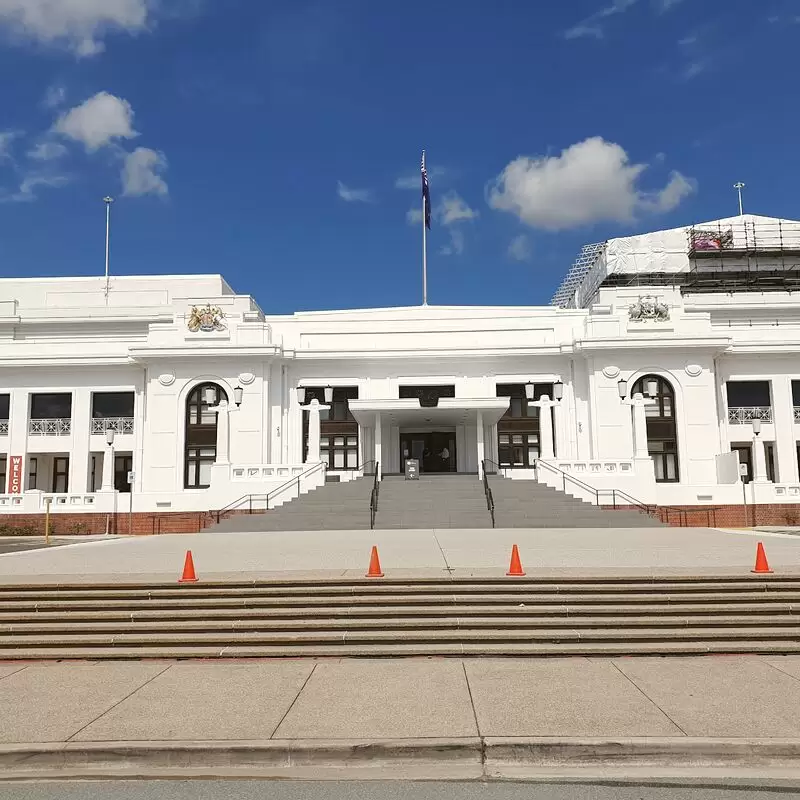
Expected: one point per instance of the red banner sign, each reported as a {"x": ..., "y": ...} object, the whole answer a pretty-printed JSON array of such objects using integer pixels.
[{"x": 15, "y": 475}]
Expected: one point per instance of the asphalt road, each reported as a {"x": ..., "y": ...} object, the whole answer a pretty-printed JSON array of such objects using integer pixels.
[
  {"x": 395, "y": 790},
  {"x": 13, "y": 544}
]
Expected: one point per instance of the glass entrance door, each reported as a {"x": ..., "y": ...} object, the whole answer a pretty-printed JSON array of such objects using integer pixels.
[{"x": 435, "y": 451}]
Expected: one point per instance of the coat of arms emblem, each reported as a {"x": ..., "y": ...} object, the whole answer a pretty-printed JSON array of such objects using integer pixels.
[
  {"x": 648, "y": 307},
  {"x": 206, "y": 318}
]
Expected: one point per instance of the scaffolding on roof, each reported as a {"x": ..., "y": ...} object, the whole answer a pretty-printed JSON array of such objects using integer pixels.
[{"x": 565, "y": 294}]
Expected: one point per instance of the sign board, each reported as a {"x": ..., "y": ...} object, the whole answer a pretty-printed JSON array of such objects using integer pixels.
[
  {"x": 15, "y": 475},
  {"x": 743, "y": 470},
  {"x": 412, "y": 469},
  {"x": 131, "y": 475}
]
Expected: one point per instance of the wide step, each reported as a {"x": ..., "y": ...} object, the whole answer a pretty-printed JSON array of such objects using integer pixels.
[{"x": 733, "y": 614}]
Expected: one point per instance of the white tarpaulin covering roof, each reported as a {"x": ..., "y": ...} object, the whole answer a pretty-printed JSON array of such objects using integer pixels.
[{"x": 668, "y": 251}]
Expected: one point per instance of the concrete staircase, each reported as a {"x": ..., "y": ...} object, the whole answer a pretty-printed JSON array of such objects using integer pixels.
[
  {"x": 333, "y": 506},
  {"x": 528, "y": 504},
  {"x": 433, "y": 501},
  {"x": 401, "y": 617}
]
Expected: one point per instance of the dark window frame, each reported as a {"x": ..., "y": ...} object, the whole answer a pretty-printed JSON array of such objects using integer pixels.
[
  {"x": 428, "y": 395},
  {"x": 125, "y": 410},
  {"x": 39, "y": 399},
  {"x": 58, "y": 474},
  {"x": 662, "y": 428},
  {"x": 199, "y": 436},
  {"x": 5, "y": 406},
  {"x": 337, "y": 422}
]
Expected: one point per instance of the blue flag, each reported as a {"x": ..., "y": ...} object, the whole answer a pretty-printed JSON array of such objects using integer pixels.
[{"x": 426, "y": 194}]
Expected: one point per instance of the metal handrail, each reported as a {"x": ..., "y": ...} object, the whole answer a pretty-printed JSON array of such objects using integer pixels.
[
  {"x": 373, "y": 497},
  {"x": 488, "y": 492},
  {"x": 366, "y": 464},
  {"x": 652, "y": 510},
  {"x": 270, "y": 495}
]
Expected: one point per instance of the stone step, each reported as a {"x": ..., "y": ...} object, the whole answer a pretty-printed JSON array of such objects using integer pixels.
[{"x": 68, "y": 626}]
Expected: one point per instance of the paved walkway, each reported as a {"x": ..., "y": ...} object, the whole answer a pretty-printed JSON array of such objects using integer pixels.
[
  {"x": 403, "y": 553},
  {"x": 732, "y": 696}
]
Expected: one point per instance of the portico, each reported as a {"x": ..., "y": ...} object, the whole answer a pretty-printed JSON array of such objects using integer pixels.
[{"x": 471, "y": 421}]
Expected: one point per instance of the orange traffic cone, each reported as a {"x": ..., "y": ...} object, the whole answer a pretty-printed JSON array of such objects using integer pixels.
[
  {"x": 374, "y": 565},
  {"x": 515, "y": 570},
  {"x": 761, "y": 560},
  {"x": 188, "y": 570}
]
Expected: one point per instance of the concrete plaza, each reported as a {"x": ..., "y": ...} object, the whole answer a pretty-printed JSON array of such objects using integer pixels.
[
  {"x": 451, "y": 704},
  {"x": 403, "y": 553}
]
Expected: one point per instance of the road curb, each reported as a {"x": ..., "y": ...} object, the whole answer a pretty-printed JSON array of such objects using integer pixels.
[{"x": 468, "y": 757}]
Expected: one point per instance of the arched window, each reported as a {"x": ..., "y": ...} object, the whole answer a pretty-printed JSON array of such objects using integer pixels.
[
  {"x": 662, "y": 432},
  {"x": 201, "y": 435}
]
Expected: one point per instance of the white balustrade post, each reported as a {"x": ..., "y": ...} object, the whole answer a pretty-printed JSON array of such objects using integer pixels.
[
  {"x": 314, "y": 428},
  {"x": 378, "y": 444}
]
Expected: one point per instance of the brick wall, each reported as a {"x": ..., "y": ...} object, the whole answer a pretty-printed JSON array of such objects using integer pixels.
[
  {"x": 85, "y": 524},
  {"x": 729, "y": 516}
]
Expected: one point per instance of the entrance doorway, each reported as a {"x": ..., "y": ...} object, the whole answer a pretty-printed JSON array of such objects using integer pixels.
[{"x": 435, "y": 450}]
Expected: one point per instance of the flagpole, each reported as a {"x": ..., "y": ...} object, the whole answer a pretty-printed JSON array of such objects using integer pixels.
[
  {"x": 108, "y": 201},
  {"x": 424, "y": 247}
]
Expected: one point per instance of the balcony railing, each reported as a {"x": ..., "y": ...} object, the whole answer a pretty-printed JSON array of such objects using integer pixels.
[
  {"x": 116, "y": 424},
  {"x": 50, "y": 427},
  {"x": 4, "y": 427},
  {"x": 797, "y": 413},
  {"x": 742, "y": 415}
]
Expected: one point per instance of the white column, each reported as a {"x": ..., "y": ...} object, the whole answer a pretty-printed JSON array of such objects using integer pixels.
[
  {"x": 639, "y": 427},
  {"x": 108, "y": 469},
  {"x": 314, "y": 427},
  {"x": 480, "y": 445},
  {"x": 223, "y": 432},
  {"x": 378, "y": 438},
  {"x": 546, "y": 428},
  {"x": 783, "y": 414},
  {"x": 759, "y": 461},
  {"x": 79, "y": 439}
]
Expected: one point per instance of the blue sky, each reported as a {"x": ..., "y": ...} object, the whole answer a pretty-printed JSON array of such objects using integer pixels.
[{"x": 272, "y": 141}]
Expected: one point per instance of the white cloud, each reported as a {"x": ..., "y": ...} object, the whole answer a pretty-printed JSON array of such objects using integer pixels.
[
  {"x": 6, "y": 139},
  {"x": 26, "y": 192},
  {"x": 456, "y": 246},
  {"x": 47, "y": 151},
  {"x": 414, "y": 181},
  {"x": 54, "y": 96},
  {"x": 80, "y": 25},
  {"x": 591, "y": 181},
  {"x": 98, "y": 121},
  {"x": 353, "y": 195},
  {"x": 591, "y": 25},
  {"x": 519, "y": 248},
  {"x": 453, "y": 209},
  {"x": 662, "y": 6},
  {"x": 414, "y": 216},
  {"x": 141, "y": 173}
]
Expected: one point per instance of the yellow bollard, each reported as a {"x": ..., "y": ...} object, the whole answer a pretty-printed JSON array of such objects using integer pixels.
[{"x": 47, "y": 502}]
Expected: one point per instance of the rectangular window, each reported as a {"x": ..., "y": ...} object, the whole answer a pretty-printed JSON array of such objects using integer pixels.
[
  {"x": 61, "y": 474},
  {"x": 198, "y": 467},
  {"x": 338, "y": 442},
  {"x": 51, "y": 406},
  {"x": 5, "y": 404},
  {"x": 112, "y": 404},
  {"x": 748, "y": 393},
  {"x": 33, "y": 473},
  {"x": 518, "y": 428},
  {"x": 428, "y": 396},
  {"x": 3, "y": 475},
  {"x": 518, "y": 450},
  {"x": 122, "y": 465}
]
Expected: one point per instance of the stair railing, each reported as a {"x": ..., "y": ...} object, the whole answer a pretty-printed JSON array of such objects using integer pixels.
[
  {"x": 663, "y": 513},
  {"x": 237, "y": 505},
  {"x": 373, "y": 497},
  {"x": 488, "y": 491}
]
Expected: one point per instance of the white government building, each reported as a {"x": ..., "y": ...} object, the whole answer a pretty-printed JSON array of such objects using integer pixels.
[{"x": 664, "y": 361}]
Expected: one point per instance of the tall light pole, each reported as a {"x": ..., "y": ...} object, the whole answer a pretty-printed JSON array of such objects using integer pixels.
[
  {"x": 108, "y": 201},
  {"x": 739, "y": 186}
]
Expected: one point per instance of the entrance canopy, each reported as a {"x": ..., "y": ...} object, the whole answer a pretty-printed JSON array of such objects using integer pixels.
[{"x": 450, "y": 411}]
